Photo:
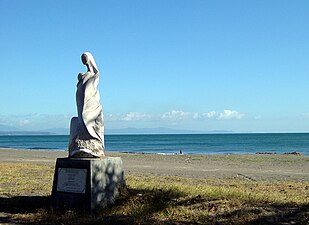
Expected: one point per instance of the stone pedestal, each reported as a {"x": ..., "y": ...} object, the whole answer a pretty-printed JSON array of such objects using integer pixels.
[{"x": 87, "y": 183}]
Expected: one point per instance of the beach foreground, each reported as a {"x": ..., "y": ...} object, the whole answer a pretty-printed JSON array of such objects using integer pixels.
[
  {"x": 166, "y": 189},
  {"x": 273, "y": 167}
]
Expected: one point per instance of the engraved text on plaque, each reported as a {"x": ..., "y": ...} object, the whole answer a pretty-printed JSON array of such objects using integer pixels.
[{"x": 72, "y": 180}]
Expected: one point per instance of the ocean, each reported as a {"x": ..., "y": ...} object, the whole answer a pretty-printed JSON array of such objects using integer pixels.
[{"x": 172, "y": 143}]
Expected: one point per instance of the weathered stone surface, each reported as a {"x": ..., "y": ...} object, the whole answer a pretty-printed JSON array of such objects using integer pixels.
[
  {"x": 87, "y": 130},
  {"x": 87, "y": 184}
]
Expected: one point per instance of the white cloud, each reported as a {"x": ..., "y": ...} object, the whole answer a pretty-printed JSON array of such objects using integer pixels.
[
  {"x": 175, "y": 115},
  {"x": 111, "y": 116},
  {"x": 231, "y": 114},
  {"x": 36, "y": 121},
  {"x": 24, "y": 122},
  {"x": 212, "y": 114},
  {"x": 195, "y": 116},
  {"x": 130, "y": 116},
  {"x": 227, "y": 114},
  {"x": 136, "y": 116}
]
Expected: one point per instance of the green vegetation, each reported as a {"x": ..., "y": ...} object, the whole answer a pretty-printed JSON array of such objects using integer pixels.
[{"x": 25, "y": 197}]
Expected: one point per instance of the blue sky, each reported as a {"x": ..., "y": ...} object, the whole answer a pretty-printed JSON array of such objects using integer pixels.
[{"x": 197, "y": 65}]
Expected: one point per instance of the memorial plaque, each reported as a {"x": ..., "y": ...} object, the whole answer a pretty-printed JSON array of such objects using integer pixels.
[{"x": 72, "y": 180}]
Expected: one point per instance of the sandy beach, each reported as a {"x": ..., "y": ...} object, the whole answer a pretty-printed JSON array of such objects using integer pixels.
[{"x": 249, "y": 167}]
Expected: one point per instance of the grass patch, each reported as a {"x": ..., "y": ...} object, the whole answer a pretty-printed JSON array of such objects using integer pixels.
[
  {"x": 25, "y": 197},
  {"x": 25, "y": 179}
]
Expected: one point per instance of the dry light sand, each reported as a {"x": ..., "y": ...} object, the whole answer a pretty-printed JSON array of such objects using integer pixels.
[{"x": 249, "y": 167}]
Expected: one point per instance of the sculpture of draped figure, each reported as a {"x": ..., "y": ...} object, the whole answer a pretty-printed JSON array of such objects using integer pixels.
[{"x": 87, "y": 130}]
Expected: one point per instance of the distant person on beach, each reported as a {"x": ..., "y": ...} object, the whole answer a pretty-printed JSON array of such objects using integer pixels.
[{"x": 180, "y": 152}]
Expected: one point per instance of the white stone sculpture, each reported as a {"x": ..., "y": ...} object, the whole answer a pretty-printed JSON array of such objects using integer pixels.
[{"x": 87, "y": 130}]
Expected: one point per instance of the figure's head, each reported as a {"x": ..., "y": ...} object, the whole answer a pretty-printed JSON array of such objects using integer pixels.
[
  {"x": 88, "y": 60},
  {"x": 84, "y": 58}
]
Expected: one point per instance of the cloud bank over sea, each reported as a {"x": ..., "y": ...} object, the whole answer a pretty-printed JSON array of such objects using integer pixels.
[{"x": 227, "y": 119}]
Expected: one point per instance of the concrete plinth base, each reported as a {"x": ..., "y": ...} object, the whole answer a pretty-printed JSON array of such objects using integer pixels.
[{"x": 87, "y": 183}]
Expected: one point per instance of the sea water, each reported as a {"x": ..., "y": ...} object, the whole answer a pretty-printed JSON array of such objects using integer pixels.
[{"x": 173, "y": 143}]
